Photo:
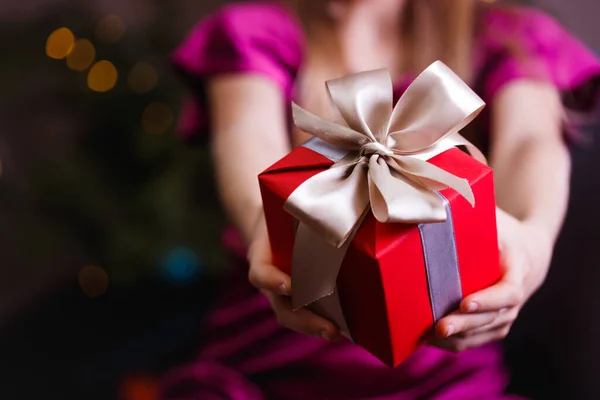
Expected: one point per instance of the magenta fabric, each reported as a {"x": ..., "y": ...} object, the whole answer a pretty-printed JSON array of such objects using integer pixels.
[
  {"x": 245, "y": 354},
  {"x": 256, "y": 38},
  {"x": 263, "y": 38},
  {"x": 537, "y": 47}
]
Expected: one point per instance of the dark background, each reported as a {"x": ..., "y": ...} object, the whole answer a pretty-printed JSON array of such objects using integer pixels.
[{"x": 109, "y": 231}]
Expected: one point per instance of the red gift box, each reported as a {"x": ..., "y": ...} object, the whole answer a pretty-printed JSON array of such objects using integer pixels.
[
  {"x": 396, "y": 279},
  {"x": 382, "y": 282}
]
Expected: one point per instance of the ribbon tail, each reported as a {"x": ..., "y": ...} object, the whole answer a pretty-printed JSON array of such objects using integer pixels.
[
  {"x": 394, "y": 198},
  {"x": 456, "y": 139},
  {"x": 452, "y": 140},
  {"x": 332, "y": 202},
  {"x": 314, "y": 277},
  {"x": 430, "y": 176},
  {"x": 330, "y": 307},
  {"x": 335, "y": 134}
]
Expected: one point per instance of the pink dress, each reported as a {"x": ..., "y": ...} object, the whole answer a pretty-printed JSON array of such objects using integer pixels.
[{"x": 245, "y": 354}]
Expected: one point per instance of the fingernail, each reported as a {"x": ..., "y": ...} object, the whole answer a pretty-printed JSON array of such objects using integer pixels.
[
  {"x": 282, "y": 289},
  {"x": 324, "y": 335},
  {"x": 472, "y": 306},
  {"x": 450, "y": 330}
]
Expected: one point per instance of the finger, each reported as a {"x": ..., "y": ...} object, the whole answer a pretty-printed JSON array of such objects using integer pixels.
[
  {"x": 260, "y": 247},
  {"x": 505, "y": 317},
  {"x": 302, "y": 320},
  {"x": 458, "y": 322},
  {"x": 504, "y": 294},
  {"x": 459, "y": 344},
  {"x": 270, "y": 278}
]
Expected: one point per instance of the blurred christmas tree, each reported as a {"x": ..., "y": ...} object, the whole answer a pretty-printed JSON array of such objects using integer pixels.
[{"x": 95, "y": 148}]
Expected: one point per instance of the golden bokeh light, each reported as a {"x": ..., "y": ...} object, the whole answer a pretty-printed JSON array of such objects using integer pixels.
[
  {"x": 142, "y": 78},
  {"x": 82, "y": 55},
  {"x": 102, "y": 76},
  {"x": 93, "y": 281},
  {"x": 60, "y": 43},
  {"x": 110, "y": 29},
  {"x": 157, "y": 118}
]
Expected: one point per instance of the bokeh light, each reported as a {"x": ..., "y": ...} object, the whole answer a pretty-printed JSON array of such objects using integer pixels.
[
  {"x": 82, "y": 55},
  {"x": 181, "y": 265},
  {"x": 60, "y": 43},
  {"x": 110, "y": 29},
  {"x": 93, "y": 281},
  {"x": 157, "y": 118},
  {"x": 142, "y": 78},
  {"x": 139, "y": 388},
  {"x": 102, "y": 76}
]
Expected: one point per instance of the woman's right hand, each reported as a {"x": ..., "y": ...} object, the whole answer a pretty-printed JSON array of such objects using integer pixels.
[{"x": 277, "y": 286}]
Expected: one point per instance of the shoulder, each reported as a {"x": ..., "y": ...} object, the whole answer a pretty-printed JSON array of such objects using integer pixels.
[
  {"x": 527, "y": 25},
  {"x": 260, "y": 38},
  {"x": 526, "y": 43},
  {"x": 242, "y": 36}
]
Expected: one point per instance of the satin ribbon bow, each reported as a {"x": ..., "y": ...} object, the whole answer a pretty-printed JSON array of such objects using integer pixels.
[
  {"x": 386, "y": 165},
  {"x": 385, "y": 168}
]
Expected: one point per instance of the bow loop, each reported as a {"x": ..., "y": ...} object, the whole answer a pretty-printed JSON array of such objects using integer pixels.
[
  {"x": 365, "y": 102},
  {"x": 333, "y": 133},
  {"x": 394, "y": 198},
  {"x": 385, "y": 166},
  {"x": 437, "y": 104},
  {"x": 316, "y": 203}
]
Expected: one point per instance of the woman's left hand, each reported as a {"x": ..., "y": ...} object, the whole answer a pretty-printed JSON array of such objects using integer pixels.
[{"x": 487, "y": 316}]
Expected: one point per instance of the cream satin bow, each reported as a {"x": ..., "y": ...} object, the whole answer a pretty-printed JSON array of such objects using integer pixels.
[{"x": 386, "y": 165}]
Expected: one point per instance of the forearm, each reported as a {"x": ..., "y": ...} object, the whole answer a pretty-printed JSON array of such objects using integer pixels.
[
  {"x": 530, "y": 159},
  {"x": 532, "y": 182},
  {"x": 249, "y": 134},
  {"x": 237, "y": 179}
]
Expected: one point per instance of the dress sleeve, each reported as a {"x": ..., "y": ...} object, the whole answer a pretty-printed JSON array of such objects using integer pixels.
[
  {"x": 528, "y": 44},
  {"x": 259, "y": 38}
]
